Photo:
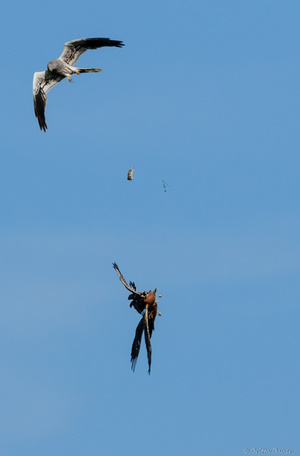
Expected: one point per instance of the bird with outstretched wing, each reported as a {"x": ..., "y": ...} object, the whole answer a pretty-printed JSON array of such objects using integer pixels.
[
  {"x": 58, "y": 69},
  {"x": 145, "y": 304}
]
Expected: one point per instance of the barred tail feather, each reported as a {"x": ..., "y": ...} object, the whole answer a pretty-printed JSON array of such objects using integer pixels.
[{"x": 89, "y": 70}]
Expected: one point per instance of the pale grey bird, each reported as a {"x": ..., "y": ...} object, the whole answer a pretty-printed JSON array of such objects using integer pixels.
[{"x": 58, "y": 69}]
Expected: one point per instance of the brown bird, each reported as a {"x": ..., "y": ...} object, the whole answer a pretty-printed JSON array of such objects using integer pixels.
[{"x": 146, "y": 305}]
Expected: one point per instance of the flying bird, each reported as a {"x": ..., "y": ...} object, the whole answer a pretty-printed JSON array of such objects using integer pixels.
[
  {"x": 146, "y": 305},
  {"x": 58, "y": 69}
]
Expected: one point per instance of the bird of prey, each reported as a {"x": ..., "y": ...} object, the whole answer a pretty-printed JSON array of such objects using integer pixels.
[
  {"x": 58, "y": 69},
  {"x": 130, "y": 174},
  {"x": 146, "y": 305}
]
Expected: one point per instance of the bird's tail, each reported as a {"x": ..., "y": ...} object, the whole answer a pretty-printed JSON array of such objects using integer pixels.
[{"x": 88, "y": 70}]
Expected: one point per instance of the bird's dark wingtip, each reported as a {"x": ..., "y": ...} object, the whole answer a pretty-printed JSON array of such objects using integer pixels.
[
  {"x": 133, "y": 364},
  {"x": 43, "y": 126},
  {"x": 115, "y": 43}
]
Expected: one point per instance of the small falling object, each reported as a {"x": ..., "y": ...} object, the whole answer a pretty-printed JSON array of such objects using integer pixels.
[
  {"x": 130, "y": 174},
  {"x": 165, "y": 185},
  {"x": 159, "y": 313}
]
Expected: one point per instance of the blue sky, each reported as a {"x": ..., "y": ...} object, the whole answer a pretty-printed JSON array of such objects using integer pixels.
[{"x": 204, "y": 95}]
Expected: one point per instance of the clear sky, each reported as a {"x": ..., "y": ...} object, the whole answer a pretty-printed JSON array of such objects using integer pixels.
[{"x": 205, "y": 96}]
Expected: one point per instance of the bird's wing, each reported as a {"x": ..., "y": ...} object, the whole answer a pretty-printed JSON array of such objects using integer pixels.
[
  {"x": 131, "y": 289},
  {"x": 43, "y": 81},
  {"x": 147, "y": 338},
  {"x": 73, "y": 49},
  {"x": 132, "y": 285},
  {"x": 136, "y": 345}
]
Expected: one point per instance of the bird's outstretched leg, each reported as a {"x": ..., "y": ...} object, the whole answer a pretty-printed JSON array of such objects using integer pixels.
[
  {"x": 69, "y": 78},
  {"x": 148, "y": 338}
]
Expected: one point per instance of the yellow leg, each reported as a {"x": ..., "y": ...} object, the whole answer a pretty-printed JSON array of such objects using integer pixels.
[{"x": 69, "y": 78}]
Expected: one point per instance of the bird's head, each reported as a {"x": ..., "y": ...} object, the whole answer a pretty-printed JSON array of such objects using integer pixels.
[
  {"x": 150, "y": 297},
  {"x": 52, "y": 66}
]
